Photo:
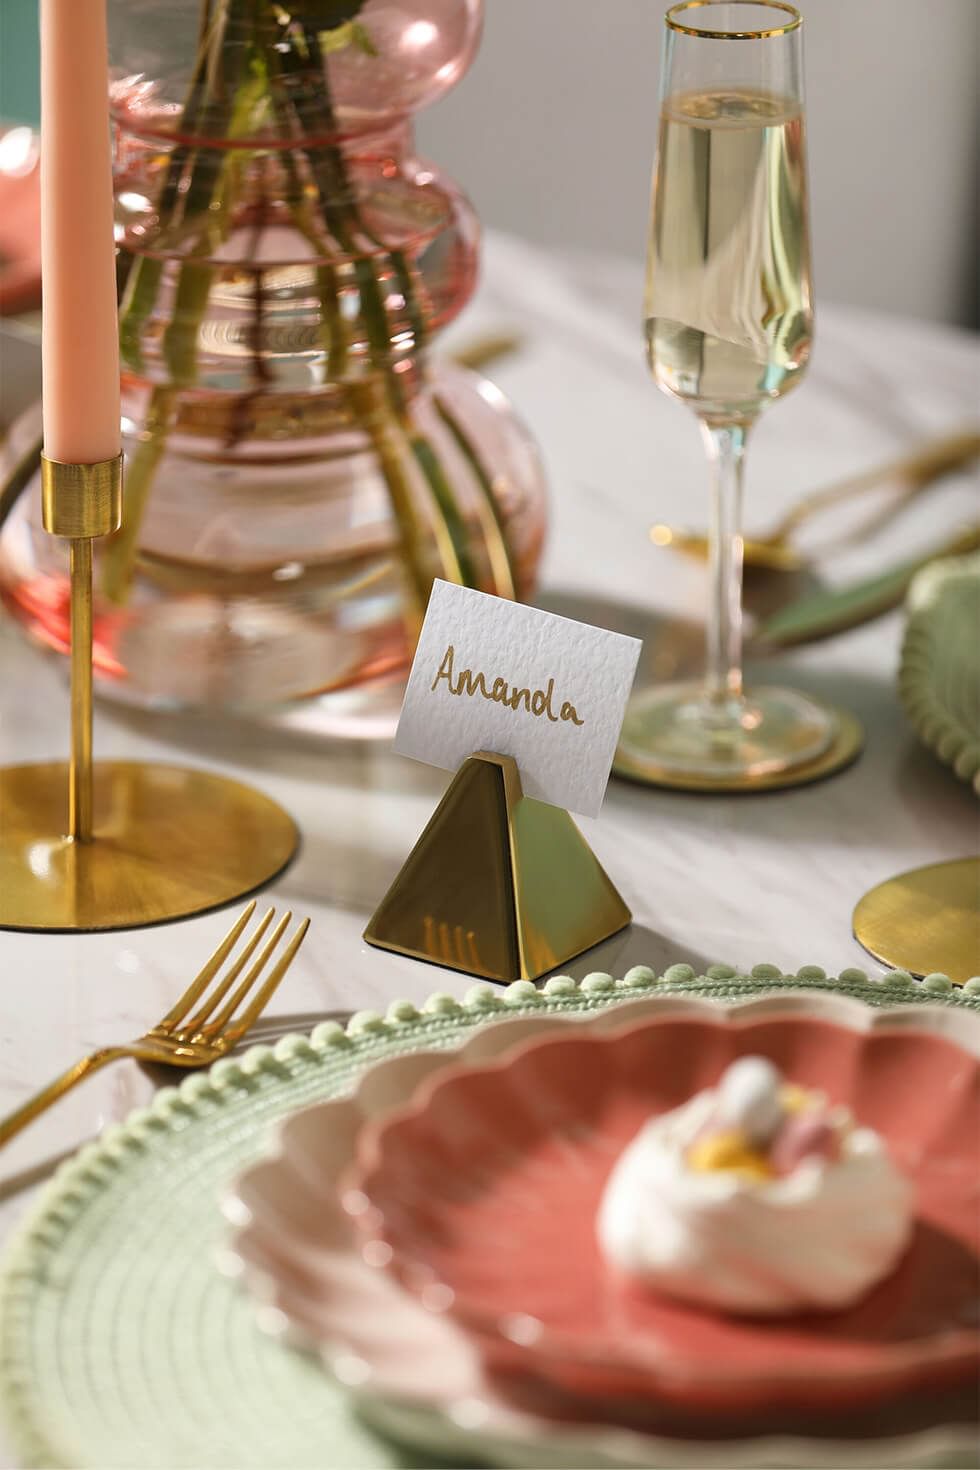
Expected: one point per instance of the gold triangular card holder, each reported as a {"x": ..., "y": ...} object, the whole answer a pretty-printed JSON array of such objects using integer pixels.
[{"x": 498, "y": 885}]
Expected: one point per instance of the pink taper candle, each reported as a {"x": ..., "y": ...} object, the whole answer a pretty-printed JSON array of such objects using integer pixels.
[{"x": 80, "y": 329}]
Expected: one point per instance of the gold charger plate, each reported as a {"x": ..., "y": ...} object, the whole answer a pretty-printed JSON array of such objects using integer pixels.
[
  {"x": 842, "y": 752},
  {"x": 925, "y": 921}
]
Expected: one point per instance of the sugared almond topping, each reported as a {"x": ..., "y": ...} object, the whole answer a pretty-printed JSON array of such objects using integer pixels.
[{"x": 731, "y": 1151}]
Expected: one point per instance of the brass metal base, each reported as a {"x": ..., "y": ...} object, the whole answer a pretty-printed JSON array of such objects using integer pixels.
[
  {"x": 843, "y": 750},
  {"x": 498, "y": 885},
  {"x": 168, "y": 842},
  {"x": 926, "y": 921}
]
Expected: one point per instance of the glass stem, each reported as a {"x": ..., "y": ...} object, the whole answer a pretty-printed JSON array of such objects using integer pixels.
[{"x": 725, "y": 445}]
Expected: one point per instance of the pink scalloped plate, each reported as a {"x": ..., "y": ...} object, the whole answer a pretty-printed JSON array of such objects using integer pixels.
[
  {"x": 417, "y": 1374},
  {"x": 481, "y": 1196}
]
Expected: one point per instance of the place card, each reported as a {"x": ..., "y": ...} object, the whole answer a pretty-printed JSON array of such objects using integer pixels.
[{"x": 498, "y": 676}]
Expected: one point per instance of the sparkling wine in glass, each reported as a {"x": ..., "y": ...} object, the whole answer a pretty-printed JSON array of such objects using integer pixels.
[{"x": 729, "y": 323}]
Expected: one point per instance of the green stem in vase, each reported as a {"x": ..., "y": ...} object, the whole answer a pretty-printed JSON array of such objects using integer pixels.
[
  {"x": 143, "y": 284},
  {"x": 377, "y": 421},
  {"x": 334, "y": 197},
  {"x": 337, "y": 335},
  {"x": 339, "y": 203},
  {"x": 494, "y": 531},
  {"x": 180, "y": 342},
  {"x": 406, "y": 279},
  {"x": 119, "y": 557},
  {"x": 142, "y": 290},
  {"x": 194, "y": 283},
  {"x": 238, "y": 93},
  {"x": 451, "y": 519},
  {"x": 388, "y": 427},
  {"x": 193, "y": 174},
  {"x": 232, "y": 82},
  {"x": 368, "y": 398}
]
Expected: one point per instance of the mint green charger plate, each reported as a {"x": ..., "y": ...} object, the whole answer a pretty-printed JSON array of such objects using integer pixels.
[
  {"x": 939, "y": 678},
  {"x": 121, "y": 1345}
]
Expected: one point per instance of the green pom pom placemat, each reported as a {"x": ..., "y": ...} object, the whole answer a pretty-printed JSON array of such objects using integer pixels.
[{"x": 120, "y": 1343}]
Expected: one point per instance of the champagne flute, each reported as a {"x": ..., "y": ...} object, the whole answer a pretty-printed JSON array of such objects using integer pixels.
[{"x": 729, "y": 325}]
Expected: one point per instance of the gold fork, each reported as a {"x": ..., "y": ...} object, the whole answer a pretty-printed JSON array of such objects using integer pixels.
[
  {"x": 184, "y": 1040},
  {"x": 776, "y": 552}
]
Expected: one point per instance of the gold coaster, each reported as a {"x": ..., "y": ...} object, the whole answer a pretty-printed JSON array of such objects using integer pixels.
[
  {"x": 926, "y": 921},
  {"x": 168, "y": 842},
  {"x": 842, "y": 752}
]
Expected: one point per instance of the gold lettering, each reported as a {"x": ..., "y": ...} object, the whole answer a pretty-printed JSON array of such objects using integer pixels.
[
  {"x": 446, "y": 670},
  {"x": 470, "y": 683},
  {"x": 536, "y": 702}
]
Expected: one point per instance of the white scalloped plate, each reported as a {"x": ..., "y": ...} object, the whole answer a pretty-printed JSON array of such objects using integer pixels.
[{"x": 415, "y": 1373}]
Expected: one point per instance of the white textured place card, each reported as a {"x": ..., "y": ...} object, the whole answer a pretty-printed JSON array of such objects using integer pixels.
[{"x": 497, "y": 676}]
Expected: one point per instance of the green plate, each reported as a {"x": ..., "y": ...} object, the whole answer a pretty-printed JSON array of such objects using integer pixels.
[
  {"x": 939, "y": 680},
  {"x": 121, "y": 1345}
]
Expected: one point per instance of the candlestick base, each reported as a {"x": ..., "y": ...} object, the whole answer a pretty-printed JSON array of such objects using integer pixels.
[{"x": 170, "y": 842}]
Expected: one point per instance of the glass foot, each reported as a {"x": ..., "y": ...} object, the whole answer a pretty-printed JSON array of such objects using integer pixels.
[{"x": 675, "y": 728}]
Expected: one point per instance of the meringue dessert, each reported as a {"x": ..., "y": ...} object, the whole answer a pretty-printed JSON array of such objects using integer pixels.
[{"x": 756, "y": 1196}]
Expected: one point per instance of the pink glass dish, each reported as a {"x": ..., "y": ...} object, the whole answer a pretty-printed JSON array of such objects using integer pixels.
[
  {"x": 416, "y": 1374},
  {"x": 481, "y": 1196}
]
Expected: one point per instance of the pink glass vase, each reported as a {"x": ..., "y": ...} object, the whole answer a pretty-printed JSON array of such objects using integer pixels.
[{"x": 298, "y": 469}]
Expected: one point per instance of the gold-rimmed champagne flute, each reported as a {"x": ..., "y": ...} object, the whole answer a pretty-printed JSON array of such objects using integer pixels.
[{"x": 729, "y": 323}]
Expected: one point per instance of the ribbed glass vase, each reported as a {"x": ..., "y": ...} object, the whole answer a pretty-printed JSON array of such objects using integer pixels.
[{"x": 298, "y": 468}]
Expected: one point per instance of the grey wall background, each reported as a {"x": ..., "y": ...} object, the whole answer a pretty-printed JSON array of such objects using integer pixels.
[{"x": 552, "y": 133}]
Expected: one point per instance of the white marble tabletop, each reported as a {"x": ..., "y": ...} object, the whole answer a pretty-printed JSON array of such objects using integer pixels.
[{"x": 765, "y": 878}]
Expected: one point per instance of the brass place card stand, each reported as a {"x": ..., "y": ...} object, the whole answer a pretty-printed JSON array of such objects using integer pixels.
[
  {"x": 498, "y": 885},
  {"x": 127, "y": 843}
]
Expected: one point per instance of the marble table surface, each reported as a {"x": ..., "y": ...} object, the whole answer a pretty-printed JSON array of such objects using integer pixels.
[{"x": 742, "y": 879}]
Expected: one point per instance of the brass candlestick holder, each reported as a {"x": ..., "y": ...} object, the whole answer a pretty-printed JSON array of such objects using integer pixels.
[
  {"x": 144, "y": 842},
  {"x": 498, "y": 885}
]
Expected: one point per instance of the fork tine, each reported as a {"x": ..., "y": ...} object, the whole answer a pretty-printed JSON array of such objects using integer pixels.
[
  {"x": 221, "y": 989},
  {"x": 215, "y": 1026},
  {"x": 196, "y": 987},
  {"x": 261, "y": 1000}
]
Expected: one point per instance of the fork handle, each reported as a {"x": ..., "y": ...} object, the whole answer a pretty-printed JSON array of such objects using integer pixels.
[
  {"x": 42, "y": 1100},
  {"x": 913, "y": 472}
]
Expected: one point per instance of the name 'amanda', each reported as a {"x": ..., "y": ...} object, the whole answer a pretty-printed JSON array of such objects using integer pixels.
[{"x": 535, "y": 701}]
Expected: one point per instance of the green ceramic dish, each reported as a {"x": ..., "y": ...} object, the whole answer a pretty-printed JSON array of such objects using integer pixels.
[{"x": 939, "y": 680}]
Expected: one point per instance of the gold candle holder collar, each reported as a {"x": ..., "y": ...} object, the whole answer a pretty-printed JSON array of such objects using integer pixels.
[
  {"x": 117, "y": 844},
  {"x": 81, "y": 501}
]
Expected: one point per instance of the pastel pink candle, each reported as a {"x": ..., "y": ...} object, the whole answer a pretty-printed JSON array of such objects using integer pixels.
[{"x": 80, "y": 329}]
